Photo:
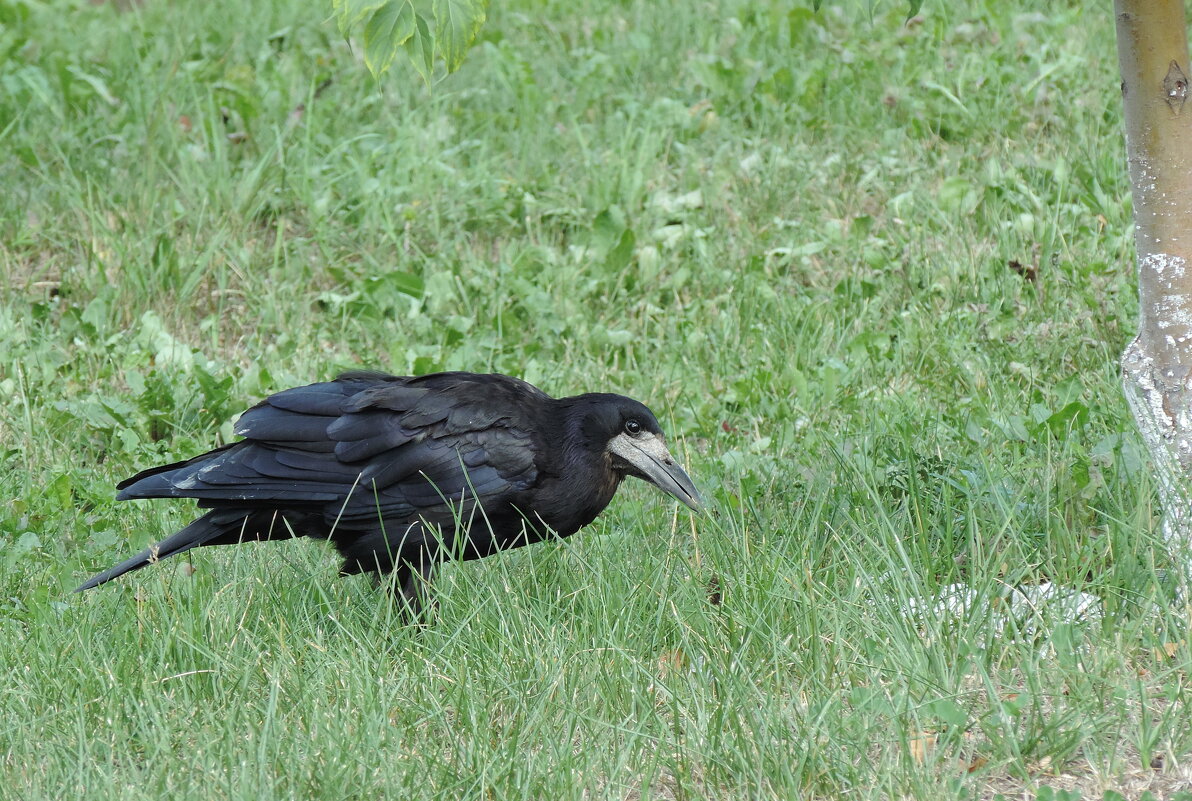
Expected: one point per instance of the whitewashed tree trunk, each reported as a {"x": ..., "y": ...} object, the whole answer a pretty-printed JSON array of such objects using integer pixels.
[{"x": 1157, "y": 365}]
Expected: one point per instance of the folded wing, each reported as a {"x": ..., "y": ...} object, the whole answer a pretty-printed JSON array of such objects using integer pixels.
[{"x": 365, "y": 448}]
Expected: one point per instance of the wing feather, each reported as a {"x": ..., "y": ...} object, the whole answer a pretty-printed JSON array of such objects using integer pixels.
[
  {"x": 321, "y": 399},
  {"x": 271, "y": 424},
  {"x": 363, "y": 435}
]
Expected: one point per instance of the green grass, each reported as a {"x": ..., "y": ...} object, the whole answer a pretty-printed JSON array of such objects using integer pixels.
[{"x": 883, "y": 335}]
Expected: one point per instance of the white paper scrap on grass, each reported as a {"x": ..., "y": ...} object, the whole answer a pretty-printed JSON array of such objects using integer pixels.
[{"x": 1028, "y": 606}]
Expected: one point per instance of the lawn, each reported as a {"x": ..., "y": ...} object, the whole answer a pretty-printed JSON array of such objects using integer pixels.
[{"x": 874, "y": 278}]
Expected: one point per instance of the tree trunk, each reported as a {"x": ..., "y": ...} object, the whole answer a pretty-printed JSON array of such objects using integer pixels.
[{"x": 1157, "y": 365}]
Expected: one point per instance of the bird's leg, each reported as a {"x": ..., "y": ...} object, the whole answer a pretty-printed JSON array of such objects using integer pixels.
[{"x": 412, "y": 582}]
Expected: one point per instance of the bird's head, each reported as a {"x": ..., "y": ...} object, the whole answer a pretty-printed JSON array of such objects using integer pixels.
[{"x": 630, "y": 437}]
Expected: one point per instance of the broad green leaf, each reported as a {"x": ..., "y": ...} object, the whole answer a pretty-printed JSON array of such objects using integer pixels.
[
  {"x": 406, "y": 283},
  {"x": 421, "y": 48},
  {"x": 409, "y": 284},
  {"x": 60, "y": 489},
  {"x": 622, "y": 254},
  {"x": 350, "y": 12},
  {"x": 1072, "y": 416},
  {"x": 389, "y": 28},
  {"x": 607, "y": 228},
  {"x": 948, "y": 711},
  {"x": 135, "y": 382},
  {"x": 456, "y": 25},
  {"x": 28, "y": 541}
]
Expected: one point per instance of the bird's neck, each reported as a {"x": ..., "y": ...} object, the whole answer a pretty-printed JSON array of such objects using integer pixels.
[
  {"x": 577, "y": 442},
  {"x": 581, "y": 470}
]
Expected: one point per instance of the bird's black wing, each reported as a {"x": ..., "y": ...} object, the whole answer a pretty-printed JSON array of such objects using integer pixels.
[
  {"x": 368, "y": 448},
  {"x": 449, "y": 439}
]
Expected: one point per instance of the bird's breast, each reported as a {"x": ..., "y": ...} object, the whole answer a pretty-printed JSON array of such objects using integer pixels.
[{"x": 568, "y": 503}]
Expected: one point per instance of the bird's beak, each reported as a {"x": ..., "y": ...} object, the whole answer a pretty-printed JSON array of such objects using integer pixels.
[{"x": 647, "y": 458}]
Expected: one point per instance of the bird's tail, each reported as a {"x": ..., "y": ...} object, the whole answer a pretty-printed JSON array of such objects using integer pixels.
[{"x": 210, "y": 529}]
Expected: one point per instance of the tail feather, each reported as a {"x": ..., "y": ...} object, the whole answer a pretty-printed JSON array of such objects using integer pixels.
[{"x": 204, "y": 531}]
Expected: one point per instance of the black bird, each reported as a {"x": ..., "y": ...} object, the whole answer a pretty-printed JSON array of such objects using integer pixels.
[{"x": 403, "y": 472}]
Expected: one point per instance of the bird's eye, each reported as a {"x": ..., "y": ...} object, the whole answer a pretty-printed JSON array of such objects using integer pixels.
[{"x": 633, "y": 428}]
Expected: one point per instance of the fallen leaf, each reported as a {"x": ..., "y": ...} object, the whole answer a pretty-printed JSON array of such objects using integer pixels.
[
  {"x": 671, "y": 662},
  {"x": 920, "y": 746},
  {"x": 1027, "y": 271},
  {"x": 715, "y": 595},
  {"x": 1041, "y": 766},
  {"x": 976, "y": 763}
]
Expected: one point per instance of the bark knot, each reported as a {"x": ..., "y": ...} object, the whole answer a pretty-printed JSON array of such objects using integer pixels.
[{"x": 1175, "y": 88}]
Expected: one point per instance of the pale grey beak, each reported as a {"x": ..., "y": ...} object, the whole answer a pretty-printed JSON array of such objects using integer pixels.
[{"x": 646, "y": 457}]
